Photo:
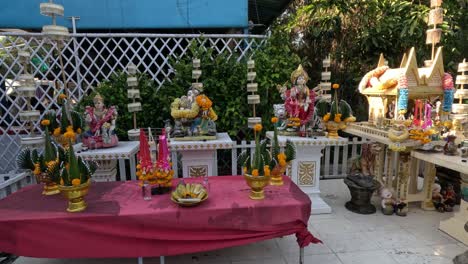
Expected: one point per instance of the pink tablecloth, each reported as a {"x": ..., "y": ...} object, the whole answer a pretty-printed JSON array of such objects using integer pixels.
[{"x": 119, "y": 223}]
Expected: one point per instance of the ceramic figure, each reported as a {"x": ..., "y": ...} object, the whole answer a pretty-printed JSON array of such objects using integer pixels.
[
  {"x": 388, "y": 202},
  {"x": 100, "y": 125},
  {"x": 299, "y": 102}
]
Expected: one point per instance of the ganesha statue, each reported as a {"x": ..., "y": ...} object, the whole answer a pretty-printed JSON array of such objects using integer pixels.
[
  {"x": 100, "y": 125},
  {"x": 194, "y": 117},
  {"x": 299, "y": 103}
]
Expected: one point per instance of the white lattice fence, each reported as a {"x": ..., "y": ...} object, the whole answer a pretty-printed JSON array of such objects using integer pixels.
[{"x": 89, "y": 59}]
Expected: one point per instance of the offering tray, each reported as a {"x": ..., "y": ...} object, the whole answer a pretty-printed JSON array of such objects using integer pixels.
[{"x": 189, "y": 194}]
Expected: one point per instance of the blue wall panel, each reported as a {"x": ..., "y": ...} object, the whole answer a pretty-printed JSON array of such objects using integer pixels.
[{"x": 128, "y": 14}]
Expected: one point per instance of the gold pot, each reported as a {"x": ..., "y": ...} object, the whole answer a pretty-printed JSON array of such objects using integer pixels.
[
  {"x": 277, "y": 175},
  {"x": 63, "y": 141},
  {"x": 75, "y": 196},
  {"x": 50, "y": 187},
  {"x": 332, "y": 129},
  {"x": 256, "y": 185}
]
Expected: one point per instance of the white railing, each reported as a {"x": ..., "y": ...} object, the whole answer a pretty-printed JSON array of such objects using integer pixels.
[
  {"x": 10, "y": 183},
  {"x": 334, "y": 161},
  {"x": 88, "y": 59},
  {"x": 334, "y": 164}
]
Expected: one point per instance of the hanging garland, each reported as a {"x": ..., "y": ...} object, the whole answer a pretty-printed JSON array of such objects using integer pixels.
[
  {"x": 402, "y": 95},
  {"x": 447, "y": 84}
]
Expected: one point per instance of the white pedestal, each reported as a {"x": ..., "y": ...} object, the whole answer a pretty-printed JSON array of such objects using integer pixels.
[
  {"x": 305, "y": 169},
  {"x": 199, "y": 158},
  {"x": 107, "y": 158}
]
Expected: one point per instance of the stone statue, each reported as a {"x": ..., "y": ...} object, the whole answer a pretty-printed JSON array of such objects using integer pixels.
[
  {"x": 100, "y": 125},
  {"x": 366, "y": 162}
]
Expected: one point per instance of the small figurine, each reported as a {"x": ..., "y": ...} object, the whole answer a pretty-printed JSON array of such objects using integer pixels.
[
  {"x": 388, "y": 202},
  {"x": 390, "y": 110},
  {"x": 401, "y": 207},
  {"x": 449, "y": 198},
  {"x": 437, "y": 198},
  {"x": 450, "y": 147},
  {"x": 100, "y": 125},
  {"x": 427, "y": 115},
  {"x": 280, "y": 113}
]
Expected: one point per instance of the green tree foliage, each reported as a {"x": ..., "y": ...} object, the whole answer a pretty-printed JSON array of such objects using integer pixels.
[
  {"x": 155, "y": 103},
  {"x": 355, "y": 32},
  {"x": 224, "y": 78}
]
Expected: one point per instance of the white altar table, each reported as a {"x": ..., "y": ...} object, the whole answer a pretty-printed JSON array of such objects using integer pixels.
[
  {"x": 305, "y": 169},
  {"x": 107, "y": 159},
  {"x": 454, "y": 226},
  {"x": 199, "y": 158}
]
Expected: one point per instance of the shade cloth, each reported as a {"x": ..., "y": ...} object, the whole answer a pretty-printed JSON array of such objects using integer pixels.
[{"x": 119, "y": 223}]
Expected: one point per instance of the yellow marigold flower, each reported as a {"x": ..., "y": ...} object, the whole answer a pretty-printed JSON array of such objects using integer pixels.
[
  {"x": 255, "y": 172},
  {"x": 69, "y": 128},
  {"x": 335, "y": 86},
  {"x": 78, "y": 131},
  {"x": 45, "y": 122},
  {"x": 282, "y": 162},
  {"x": 326, "y": 117},
  {"x": 37, "y": 169},
  {"x": 337, "y": 118},
  {"x": 57, "y": 132},
  {"x": 274, "y": 120},
  {"x": 257, "y": 128},
  {"x": 138, "y": 166},
  {"x": 62, "y": 96},
  {"x": 266, "y": 170},
  {"x": 281, "y": 156},
  {"x": 76, "y": 182},
  {"x": 69, "y": 135},
  {"x": 245, "y": 170}
]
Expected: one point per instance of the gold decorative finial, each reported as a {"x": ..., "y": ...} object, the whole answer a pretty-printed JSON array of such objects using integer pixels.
[{"x": 299, "y": 72}]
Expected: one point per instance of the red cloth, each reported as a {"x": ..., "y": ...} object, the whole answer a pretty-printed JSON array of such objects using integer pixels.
[{"x": 119, "y": 223}]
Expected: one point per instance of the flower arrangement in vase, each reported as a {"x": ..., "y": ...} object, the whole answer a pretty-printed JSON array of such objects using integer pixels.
[
  {"x": 60, "y": 171},
  {"x": 158, "y": 174},
  {"x": 335, "y": 114},
  {"x": 259, "y": 168},
  {"x": 75, "y": 177},
  {"x": 67, "y": 127},
  {"x": 43, "y": 165},
  {"x": 280, "y": 160}
]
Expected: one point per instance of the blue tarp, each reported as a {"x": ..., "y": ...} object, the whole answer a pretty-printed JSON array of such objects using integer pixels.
[{"x": 129, "y": 14}]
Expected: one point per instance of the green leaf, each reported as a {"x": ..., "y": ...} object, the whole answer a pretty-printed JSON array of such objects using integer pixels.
[{"x": 24, "y": 160}]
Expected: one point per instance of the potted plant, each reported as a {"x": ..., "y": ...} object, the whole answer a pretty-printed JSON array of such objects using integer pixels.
[
  {"x": 42, "y": 164},
  {"x": 258, "y": 169},
  {"x": 335, "y": 114},
  {"x": 69, "y": 123},
  {"x": 75, "y": 177},
  {"x": 280, "y": 160}
]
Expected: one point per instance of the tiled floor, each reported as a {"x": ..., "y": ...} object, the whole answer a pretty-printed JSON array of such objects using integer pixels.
[{"x": 348, "y": 238}]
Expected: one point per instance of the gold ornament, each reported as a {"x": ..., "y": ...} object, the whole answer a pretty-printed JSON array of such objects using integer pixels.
[{"x": 299, "y": 72}]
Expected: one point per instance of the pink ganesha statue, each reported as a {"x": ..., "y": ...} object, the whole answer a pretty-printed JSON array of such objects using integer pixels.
[{"x": 100, "y": 125}]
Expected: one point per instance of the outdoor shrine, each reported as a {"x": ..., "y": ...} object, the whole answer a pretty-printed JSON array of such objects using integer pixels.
[{"x": 119, "y": 150}]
